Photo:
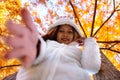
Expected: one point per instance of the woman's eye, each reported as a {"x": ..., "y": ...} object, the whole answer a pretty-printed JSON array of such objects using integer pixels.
[
  {"x": 61, "y": 30},
  {"x": 70, "y": 32}
]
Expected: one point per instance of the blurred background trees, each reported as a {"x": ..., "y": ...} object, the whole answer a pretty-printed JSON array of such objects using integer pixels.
[{"x": 98, "y": 18}]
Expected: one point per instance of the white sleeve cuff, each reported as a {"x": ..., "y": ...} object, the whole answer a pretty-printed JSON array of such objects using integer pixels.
[{"x": 91, "y": 60}]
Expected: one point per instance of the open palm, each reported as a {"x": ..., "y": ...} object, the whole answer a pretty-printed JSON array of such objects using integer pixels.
[{"x": 24, "y": 39}]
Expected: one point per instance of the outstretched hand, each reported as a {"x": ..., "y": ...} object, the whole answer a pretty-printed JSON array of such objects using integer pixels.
[{"x": 24, "y": 39}]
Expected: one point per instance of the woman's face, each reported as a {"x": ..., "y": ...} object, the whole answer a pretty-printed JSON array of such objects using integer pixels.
[{"x": 65, "y": 34}]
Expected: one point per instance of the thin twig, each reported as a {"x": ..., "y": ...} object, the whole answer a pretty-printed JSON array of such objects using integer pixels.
[
  {"x": 77, "y": 18},
  {"x": 113, "y": 45},
  {"x": 114, "y": 4},
  {"x": 118, "y": 56},
  {"x": 93, "y": 22},
  {"x": 0, "y": 32},
  {"x": 117, "y": 7}
]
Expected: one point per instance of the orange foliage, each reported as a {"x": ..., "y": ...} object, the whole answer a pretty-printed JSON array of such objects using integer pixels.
[
  {"x": 38, "y": 20},
  {"x": 42, "y": 1},
  {"x": 84, "y": 10},
  {"x": 60, "y": 2},
  {"x": 8, "y": 9},
  {"x": 27, "y": 4}
]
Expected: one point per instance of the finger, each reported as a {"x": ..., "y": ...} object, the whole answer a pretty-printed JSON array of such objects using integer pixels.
[
  {"x": 28, "y": 20},
  {"x": 26, "y": 59},
  {"x": 14, "y": 28},
  {"x": 15, "y": 53},
  {"x": 13, "y": 41}
]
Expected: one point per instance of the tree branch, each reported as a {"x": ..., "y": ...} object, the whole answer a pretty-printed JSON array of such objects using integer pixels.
[
  {"x": 117, "y": 7},
  {"x": 116, "y": 41},
  {"x": 114, "y": 4},
  {"x": 94, "y": 18},
  {"x": 104, "y": 23},
  {"x": 110, "y": 50},
  {"x": 10, "y": 66},
  {"x": 114, "y": 10},
  {"x": 118, "y": 10},
  {"x": 77, "y": 18},
  {"x": 112, "y": 43}
]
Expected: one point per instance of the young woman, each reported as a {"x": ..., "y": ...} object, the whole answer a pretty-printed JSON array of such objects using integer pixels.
[{"x": 59, "y": 56}]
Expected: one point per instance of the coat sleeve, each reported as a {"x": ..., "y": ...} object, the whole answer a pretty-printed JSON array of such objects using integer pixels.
[
  {"x": 42, "y": 51},
  {"x": 91, "y": 59}
]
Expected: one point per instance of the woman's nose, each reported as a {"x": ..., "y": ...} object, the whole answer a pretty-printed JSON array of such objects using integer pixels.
[{"x": 65, "y": 34}]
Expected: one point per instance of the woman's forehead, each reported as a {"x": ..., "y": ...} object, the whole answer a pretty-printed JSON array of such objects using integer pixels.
[{"x": 65, "y": 26}]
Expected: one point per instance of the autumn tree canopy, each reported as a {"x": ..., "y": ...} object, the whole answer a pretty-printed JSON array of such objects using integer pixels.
[{"x": 96, "y": 18}]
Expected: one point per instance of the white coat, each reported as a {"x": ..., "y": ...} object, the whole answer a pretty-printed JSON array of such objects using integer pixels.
[{"x": 63, "y": 62}]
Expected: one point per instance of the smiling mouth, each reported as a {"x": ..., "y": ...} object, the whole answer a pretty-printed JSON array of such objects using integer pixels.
[{"x": 65, "y": 39}]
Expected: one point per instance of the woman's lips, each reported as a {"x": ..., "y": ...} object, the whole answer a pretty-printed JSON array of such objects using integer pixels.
[{"x": 65, "y": 39}]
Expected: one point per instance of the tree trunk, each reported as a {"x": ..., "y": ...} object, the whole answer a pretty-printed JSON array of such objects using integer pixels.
[
  {"x": 11, "y": 77},
  {"x": 107, "y": 71}
]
